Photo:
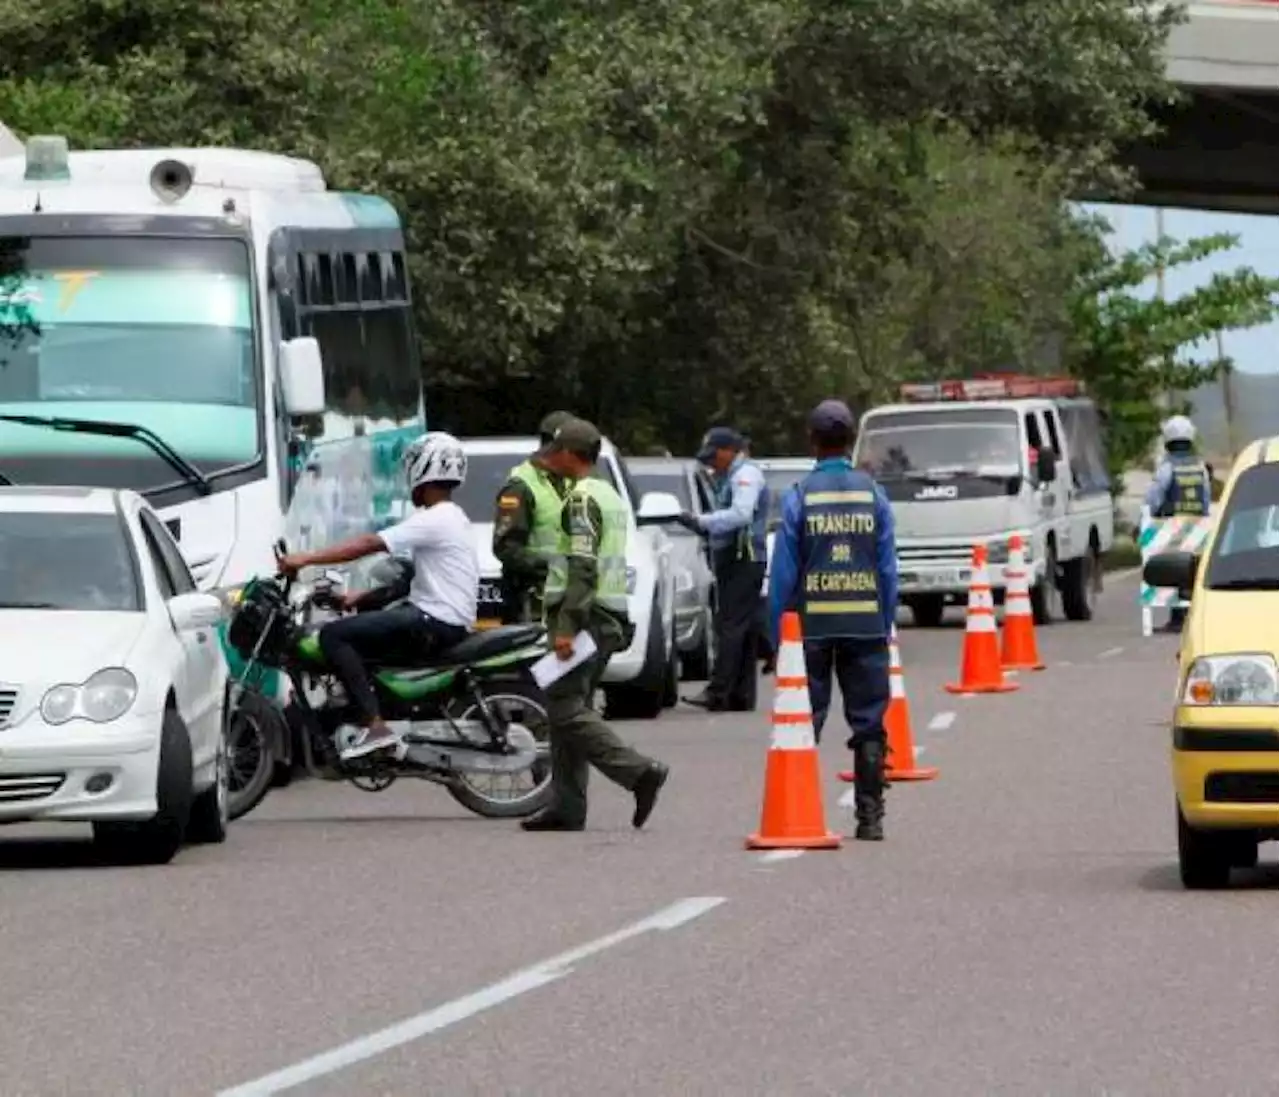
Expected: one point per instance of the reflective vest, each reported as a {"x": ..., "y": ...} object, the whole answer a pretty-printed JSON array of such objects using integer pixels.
[
  {"x": 1188, "y": 492},
  {"x": 839, "y": 579},
  {"x": 611, "y": 561},
  {"x": 544, "y": 532},
  {"x": 751, "y": 541}
]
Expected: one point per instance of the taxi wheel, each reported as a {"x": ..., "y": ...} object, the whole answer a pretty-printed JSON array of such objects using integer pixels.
[{"x": 1204, "y": 856}]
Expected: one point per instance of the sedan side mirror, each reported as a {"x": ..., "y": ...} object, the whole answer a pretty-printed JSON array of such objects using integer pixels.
[
  {"x": 194, "y": 610},
  {"x": 1171, "y": 569},
  {"x": 657, "y": 508}
]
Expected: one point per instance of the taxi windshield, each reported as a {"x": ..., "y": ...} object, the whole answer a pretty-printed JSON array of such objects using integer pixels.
[{"x": 1246, "y": 552}]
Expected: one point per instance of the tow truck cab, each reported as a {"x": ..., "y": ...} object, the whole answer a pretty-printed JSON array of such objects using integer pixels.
[{"x": 976, "y": 461}]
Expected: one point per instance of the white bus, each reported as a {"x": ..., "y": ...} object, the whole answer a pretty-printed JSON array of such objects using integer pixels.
[{"x": 225, "y": 315}]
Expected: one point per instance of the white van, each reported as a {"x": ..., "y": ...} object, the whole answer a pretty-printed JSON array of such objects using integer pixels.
[{"x": 968, "y": 462}]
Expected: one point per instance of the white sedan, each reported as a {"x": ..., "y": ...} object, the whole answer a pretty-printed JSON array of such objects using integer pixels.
[{"x": 113, "y": 686}]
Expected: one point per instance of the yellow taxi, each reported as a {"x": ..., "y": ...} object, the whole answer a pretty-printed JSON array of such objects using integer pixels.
[{"x": 1225, "y": 722}]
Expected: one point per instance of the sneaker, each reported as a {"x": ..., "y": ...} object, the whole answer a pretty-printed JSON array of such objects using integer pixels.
[{"x": 370, "y": 741}]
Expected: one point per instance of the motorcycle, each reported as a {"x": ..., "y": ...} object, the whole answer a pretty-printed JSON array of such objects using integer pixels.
[{"x": 469, "y": 712}]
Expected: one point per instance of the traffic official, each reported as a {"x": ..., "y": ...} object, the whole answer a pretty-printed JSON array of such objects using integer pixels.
[
  {"x": 736, "y": 532},
  {"x": 835, "y": 562},
  {"x": 587, "y": 589},
  {"x": 1180, "y": 486},
  {"x": 526, "y": 529}
]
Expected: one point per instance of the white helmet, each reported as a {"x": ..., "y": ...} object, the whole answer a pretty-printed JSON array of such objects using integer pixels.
[
  {"x": 435, "y": 458},
  {"x": 1178, "y": 429}
]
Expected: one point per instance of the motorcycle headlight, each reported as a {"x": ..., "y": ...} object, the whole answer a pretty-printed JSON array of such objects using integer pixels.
[
  {"x": 1244, "y": 679},
  {"x": 102, "y": 697},
  {"x": 631, "y": 580}
]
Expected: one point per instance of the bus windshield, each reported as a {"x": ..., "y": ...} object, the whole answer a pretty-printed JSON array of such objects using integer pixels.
[{"x": 156, "y": 332}]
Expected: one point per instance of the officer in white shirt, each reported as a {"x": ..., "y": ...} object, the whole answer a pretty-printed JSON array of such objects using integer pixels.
[{"x": 441, "y": 608}]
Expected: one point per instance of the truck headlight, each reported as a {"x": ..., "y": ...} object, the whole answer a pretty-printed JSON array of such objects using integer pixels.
[
  {"x": 1245, "y": 679},
  {"x": 998, "y": 552},
  {"x": 102, "y": 697}
]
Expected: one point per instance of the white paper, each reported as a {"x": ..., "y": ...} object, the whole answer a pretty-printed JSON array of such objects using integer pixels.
[{"x": 551, "y": 668}]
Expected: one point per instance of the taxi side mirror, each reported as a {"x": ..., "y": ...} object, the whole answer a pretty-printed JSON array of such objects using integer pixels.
[{"x": 1171, "y": 569}]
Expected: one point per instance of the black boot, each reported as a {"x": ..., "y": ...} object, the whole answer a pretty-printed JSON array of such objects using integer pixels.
[{"x": 868, "y": 789}]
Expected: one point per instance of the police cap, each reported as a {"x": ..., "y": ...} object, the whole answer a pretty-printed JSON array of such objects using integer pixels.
[
  {"x": 831, "y": 416},
  {"x": 575, "y": 436},
  {"x": 718, "y": 438},
  {"x": 552, "y": 422}
]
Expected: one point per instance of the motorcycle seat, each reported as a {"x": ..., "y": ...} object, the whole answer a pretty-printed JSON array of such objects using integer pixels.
[{"x": 490, "y": 642}]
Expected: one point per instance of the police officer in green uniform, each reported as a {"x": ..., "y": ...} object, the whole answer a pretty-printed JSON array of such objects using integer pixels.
[
  {"x": 526, "y": 529},
  {"x": 587, "y": 590}
]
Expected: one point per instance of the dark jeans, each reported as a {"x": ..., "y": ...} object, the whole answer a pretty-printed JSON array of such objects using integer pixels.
[
  {"x": 733, "y": 678},
  {"x": 402, "y": 634},
  {"x": 862, "y": 669}
]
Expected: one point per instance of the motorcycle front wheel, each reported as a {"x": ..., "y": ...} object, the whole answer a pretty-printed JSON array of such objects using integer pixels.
[{"x": 508, "y": 795}]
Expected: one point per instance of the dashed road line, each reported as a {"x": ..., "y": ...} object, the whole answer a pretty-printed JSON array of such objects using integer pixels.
[
  {"x": 776, "y": 855},
  {"x": 460, "y": 1009},
  {"x": 942, "y": 721},
  {"x": 1110, "y": 653}
]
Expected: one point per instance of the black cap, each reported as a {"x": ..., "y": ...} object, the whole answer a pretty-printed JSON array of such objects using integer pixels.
[
  {"x": 574, "y": 435},
  {"x": 831, "y": 415},
  {"x": 718, "y": 438}
]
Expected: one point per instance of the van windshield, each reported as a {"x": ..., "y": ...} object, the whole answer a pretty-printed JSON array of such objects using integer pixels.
[
  {"x": 1246, "y": 553},
  {"x": 978, "y": 441}
]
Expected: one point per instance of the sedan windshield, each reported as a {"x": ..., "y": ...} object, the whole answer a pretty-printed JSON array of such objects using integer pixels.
[
  {"x": 487, "y": 472},
  {"x": 66, "y": 562},
  {"x": 1246, "y": 553}
]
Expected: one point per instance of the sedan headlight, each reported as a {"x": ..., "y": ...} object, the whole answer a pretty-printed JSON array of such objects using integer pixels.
[
  {"x": 1244, "y": 679},
  {"x": 102, "y": 697}
]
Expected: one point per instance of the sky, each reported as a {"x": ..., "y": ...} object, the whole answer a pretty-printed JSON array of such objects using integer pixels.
[{"x": 1254, "y": 351}]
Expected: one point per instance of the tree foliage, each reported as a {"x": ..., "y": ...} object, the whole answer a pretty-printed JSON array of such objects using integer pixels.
[
  {"x": 1133, "y": 347},
  {"x": 662, "y": 213}
]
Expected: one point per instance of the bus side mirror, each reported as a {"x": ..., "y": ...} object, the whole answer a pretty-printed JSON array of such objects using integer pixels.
[{"x": 302, "y": 377}]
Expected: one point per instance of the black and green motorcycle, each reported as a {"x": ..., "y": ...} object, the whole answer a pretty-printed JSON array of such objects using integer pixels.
[{"x": 468, "y": 716}]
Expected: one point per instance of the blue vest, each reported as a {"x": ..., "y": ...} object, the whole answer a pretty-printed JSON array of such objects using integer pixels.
[
  {"x": 1188, "y": 493},
  {"x": 749, "y": 543},
  {"x": 839, "y": 579}
]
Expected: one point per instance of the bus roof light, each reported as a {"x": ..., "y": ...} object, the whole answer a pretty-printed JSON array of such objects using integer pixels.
[{"x": 47, "y": 159}]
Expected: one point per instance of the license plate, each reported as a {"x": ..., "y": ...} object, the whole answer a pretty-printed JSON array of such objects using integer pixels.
[{"x": 489, "y": 591}]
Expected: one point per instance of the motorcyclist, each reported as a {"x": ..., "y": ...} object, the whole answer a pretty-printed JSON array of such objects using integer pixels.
[
  {"x": 1181, "y": 487},
  {"x": 441, "y": 606}
]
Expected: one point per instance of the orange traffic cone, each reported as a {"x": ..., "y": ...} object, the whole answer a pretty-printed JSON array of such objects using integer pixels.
[
  {"x": 792, "y": 816},
  {"x": 900, "y": 765},
  {"x": 980, "y": 653},
  {"x": 1018, "y": 634}
]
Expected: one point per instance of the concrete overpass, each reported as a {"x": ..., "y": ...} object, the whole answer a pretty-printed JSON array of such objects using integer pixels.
[{"x": 1219, "y": 151}]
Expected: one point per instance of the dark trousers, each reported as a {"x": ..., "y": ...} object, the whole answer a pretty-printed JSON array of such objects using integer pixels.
[
  {"x": 862, "y": 669},
  {"x": 402, "y": 634},
  {"x": 580, "y": 737},
  {"x": 733, "y": 678}
]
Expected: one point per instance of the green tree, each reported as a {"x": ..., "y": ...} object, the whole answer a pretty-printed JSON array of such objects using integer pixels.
[{"x": 1133, "y": 349}]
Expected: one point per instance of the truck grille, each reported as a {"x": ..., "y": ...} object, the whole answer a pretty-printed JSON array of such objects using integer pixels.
[
  {"x": 29, "y": 786},
  {"x": 956, "y": 554},
  {"x": 8, "y": 702}
]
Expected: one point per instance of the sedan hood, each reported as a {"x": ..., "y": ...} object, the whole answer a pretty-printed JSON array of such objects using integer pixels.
[{"x": 44, "y": 647}]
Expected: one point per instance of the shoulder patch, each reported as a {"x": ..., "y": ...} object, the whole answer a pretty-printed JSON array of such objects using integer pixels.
[{"x": 508, "y": 502}]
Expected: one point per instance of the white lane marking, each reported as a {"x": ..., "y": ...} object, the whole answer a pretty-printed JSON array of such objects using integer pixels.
[
  {"x": 775, "y": 855},
  {"x": 942, "y": 721},
  {"x": 847, "y": 800},
  {"x": 1109, "y": 653},
  {"x": 424, "y": 1024}
]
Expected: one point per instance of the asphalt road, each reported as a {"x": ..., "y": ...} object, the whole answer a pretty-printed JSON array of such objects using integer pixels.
[{"x": 1022, "y": 930}]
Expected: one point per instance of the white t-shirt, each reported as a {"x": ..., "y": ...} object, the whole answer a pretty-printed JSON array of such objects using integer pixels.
[{"x": 446, "y": 572}]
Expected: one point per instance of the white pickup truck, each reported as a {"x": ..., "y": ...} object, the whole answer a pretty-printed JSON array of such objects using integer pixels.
[
  {"x": 976, "y": 461},
  {"x": 642, "y": 680}
]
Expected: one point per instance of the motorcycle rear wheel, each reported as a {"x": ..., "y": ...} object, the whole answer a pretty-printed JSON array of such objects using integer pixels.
[{"x": 523, "y": 703}]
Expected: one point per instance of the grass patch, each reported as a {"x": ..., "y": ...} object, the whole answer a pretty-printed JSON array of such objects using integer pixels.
[{"x": 1124, "y": 554}]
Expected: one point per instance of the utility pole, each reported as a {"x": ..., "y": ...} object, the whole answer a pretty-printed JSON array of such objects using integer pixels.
[{"x": 1227, "y": 404}]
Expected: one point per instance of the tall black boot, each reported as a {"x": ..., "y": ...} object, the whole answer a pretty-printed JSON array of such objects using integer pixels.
[{"x": 868, "y": 789}]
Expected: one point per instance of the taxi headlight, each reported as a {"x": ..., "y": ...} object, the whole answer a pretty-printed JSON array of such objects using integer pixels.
[
  {"x": 102, "y": 697},
  {"x": 1245, "y": 679}
]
